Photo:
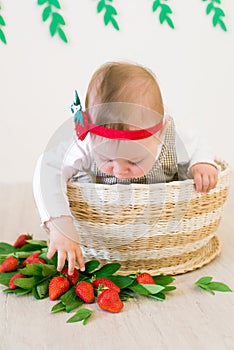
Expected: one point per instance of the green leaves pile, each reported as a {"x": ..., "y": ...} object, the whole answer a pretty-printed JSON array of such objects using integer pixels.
[{"x": 40, "y": 275}]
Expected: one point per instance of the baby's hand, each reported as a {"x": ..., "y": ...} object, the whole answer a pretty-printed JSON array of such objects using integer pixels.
[
  {"x": 60, "y": 231},
  {"x": 205, "y": 176}
]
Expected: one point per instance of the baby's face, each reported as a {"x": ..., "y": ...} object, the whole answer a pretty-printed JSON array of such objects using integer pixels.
[{"x": 125, "y": 159}]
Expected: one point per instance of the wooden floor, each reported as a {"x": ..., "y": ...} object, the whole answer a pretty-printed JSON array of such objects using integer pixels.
[{"x": 189, "y": 319}]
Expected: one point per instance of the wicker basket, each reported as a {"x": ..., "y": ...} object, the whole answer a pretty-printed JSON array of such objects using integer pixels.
[{"x": 159, "y": 228}]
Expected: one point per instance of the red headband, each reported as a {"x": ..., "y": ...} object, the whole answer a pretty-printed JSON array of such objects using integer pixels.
[{"x": 82, "y": 127}]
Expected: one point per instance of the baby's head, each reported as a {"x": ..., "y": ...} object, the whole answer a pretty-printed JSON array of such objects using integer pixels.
[
  {"x": 124, "y": 82},
  {"x": 127, "y": 97}
]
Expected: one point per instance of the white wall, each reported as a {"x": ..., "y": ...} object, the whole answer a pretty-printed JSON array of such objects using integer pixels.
[{"x": 193, "y": 63}]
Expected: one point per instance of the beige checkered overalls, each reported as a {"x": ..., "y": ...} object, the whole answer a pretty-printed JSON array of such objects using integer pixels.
[{"x": 165, "y": 168}]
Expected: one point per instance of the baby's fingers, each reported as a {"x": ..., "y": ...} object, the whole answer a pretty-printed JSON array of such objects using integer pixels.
[
  {"x": 80, "y": 259},
  {"x": 61, "y": 260},
  {"x": 51, "y": 253},
  {"x": 205, "y": 183},
  {"x": 198, "y": 182}
]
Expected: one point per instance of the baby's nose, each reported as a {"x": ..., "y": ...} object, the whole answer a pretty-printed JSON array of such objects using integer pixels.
[{"x": 121, "y": 168}]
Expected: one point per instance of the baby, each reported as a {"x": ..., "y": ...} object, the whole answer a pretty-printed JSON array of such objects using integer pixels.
[{"x": 122, "y": 137}]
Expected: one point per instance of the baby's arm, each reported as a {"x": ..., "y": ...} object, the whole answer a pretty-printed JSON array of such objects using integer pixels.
[
  {"x": 193, "y": 150},
  {"x": 50, "y": 186},
  {"x": 64, "y": 240}
]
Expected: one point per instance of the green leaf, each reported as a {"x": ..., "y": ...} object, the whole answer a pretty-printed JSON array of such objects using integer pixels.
[
  {"x": 27, "y": 283},
  {"x": 170, "y": 23},
  {"x": 125, "y": 295},
  {"x": 41, "y": 243},
  {"x": 6, "y": 276},
  {"x": 138, "y": 288},
  {"x": 204, "y": 280},
  {"x": 166, "y": 9},
  {"x": 42, "y": 289},
  {"x": 62, "y": 35},
  {"x": 158, "y": 296},
  {"x": 219, "y": 12},
  {"x": 54, "y": 3},
  {"x": 41, "y": 2},
  {"x": 30, "y": 248},
  {"x": 2, "y": 22},
  {"x": 35, "y": 293},
  {"x": 91, "y": 265},
  {"x": 163, "y": 280},
  {"x": 17, "y": 291},
  {"x": 169, "y": 288},
  {"x": 58, "y": 18},
  {"x": 153, "y": 288},
  {"x": 114, "y": 23},
  {"x": 107, "y": 270},
  {"x": 53, "y": 27},
  {"x": 121, "y": 281},
  {"x": 80, "y": 315},
  {"x": 210, "y": 7},
  {"x": 71, "y": 300},
  {"x": 204, "y": 286},
  {"x": 6, "y": 248},
  {"x": 111, "y": 10},
  {"x": 156, "y": 5},
  {"x": 46, "y": 13},
  {"x": 58, "y": 307},
  {"x": 107, "y": 18},
  {"x": 100, "y": 6},
  {"x": 222, "y": 25},
  {"x": 48, "y": 270},
  {"x": 32, "y": 270},
  {"x": 219, "y": 286}
]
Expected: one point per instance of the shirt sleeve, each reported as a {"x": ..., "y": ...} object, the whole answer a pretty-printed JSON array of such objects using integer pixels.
[
  {"x": 53, "y": 170},
  {"x": 192, "y": 148}
]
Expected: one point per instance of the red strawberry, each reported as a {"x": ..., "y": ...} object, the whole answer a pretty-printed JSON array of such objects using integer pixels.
[
  {"x": 73, "y": 279},
  {"x": 9, "y": 264},
  {"x": 21, "y": 240},
  {"x": 12, "y": 280},
  {"x": 145, "y": 278},
  {"x": 109, "y": 300},
  {"x": 107, "y": 283},
  {"x": 85, "y": 291},
  {"x": 33, "y": 259},
  {"x": 58, "y": 286}
]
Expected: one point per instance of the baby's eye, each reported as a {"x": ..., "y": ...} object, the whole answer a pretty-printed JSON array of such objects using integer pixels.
[{"x": 133, "y": 163}]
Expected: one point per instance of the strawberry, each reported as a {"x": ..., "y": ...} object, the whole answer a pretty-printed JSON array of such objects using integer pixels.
[
  {"x": 33, "y": 259},
  {"x": 58, "y": 286},
  {"x": 107, "y": 283},
  {"x": 9, "y": 264},
  {"x": 21, "y": 240},
  {"x": 12, "y": 280},
  {"x": 109, "y": 300},
  {"x": 145, "y": 278},
  {"x": 73, "y": 279},
  {"x": 85, "y": 291}
]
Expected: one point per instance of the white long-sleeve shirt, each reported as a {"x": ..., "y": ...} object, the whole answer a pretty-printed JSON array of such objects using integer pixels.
[{"x": 65, "y": 156}]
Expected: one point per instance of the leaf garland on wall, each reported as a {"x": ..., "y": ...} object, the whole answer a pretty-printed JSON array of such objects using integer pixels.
[
  {"x": 110, "y": 12},
  {"x": 218, "y": 13},
  {"x": 56, "y": 18},
  {"x": 2, "y": 24},
  {"x": 50, "y": 12},
  {"x": 164, "y": 12}
]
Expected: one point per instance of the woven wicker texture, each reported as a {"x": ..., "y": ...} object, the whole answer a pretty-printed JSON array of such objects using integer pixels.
[{"x": 160, "y": 228}]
